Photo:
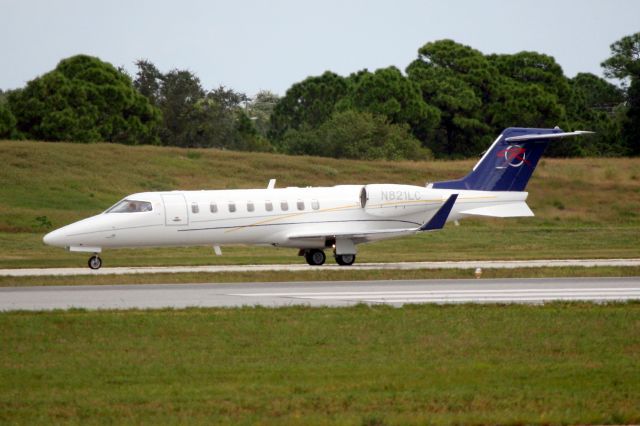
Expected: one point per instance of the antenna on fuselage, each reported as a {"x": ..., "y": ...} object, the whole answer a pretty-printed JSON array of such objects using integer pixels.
[{"x": 272, "y": 184}]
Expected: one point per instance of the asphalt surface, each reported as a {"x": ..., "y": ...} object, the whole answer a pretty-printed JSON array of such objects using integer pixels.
[
  {"x": 471, "y": 264},
  {"x": 326, "y": 293}
]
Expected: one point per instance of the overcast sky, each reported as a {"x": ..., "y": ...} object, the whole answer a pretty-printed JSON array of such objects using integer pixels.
[{"x": 250, "y": 45}]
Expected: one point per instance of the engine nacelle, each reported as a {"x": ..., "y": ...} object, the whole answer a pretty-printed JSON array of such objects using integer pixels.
[{"x": 394, "y": 200}]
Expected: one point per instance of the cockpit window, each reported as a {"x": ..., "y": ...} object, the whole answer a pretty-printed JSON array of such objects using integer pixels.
[{"x": 131, "y": 206}]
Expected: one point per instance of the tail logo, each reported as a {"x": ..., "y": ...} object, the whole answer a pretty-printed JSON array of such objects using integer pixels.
[{"x": 514, "y": 156}]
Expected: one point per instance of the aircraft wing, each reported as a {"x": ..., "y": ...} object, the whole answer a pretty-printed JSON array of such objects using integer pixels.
[
  {"x": 436, "y": 222},
  {"x": 356, "y": 237}
]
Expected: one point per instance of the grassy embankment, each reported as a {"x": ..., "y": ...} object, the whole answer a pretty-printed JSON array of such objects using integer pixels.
[
  {"x": 586, "y": 208},
  {"x": 552, "y": 364}
]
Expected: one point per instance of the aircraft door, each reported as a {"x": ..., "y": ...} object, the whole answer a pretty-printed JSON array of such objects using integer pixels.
[{"x": 175, "y": 210}]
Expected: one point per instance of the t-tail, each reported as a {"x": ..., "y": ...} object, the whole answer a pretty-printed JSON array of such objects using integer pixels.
[{"x": 510, "y": 161}]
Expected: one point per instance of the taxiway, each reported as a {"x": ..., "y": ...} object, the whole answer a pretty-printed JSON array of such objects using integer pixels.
[
  {"x": 298, "y": 267},
  {"x": 325, "y": 293}
]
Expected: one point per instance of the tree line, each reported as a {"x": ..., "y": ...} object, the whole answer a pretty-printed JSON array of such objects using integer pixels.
[{"x": 450, "y": 102}]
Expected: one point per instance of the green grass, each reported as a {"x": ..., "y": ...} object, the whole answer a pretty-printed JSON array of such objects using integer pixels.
[
  {"x": 471, "y": 240},
  {"x": 319, "y": 275},
  {"x": 492, "y": 364},
  {"x": 584, "y": 207}
]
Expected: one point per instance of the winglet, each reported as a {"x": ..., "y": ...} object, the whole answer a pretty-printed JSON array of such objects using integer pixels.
[{"x": 440, "y": 218}]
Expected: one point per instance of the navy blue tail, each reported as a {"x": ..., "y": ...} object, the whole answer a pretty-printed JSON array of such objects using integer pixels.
[{"x": 507, "y": 165}]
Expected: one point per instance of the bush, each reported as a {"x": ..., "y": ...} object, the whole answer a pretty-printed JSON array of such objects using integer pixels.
[
  {"x": 7, "y": 123},
  {"x": 356, "y": 135}
]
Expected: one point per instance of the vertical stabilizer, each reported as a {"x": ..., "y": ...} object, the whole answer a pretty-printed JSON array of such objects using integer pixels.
[{"x": 510, "y": 161}]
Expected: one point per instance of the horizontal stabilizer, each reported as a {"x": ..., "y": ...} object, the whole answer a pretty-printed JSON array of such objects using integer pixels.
[
  {"x": 534, "y": 136},
  {"x": 519, "y": 209}
]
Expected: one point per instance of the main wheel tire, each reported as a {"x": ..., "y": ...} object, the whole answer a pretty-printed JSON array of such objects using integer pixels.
[
  {"x": 95, "y": 262},
  {"x": 345, "y": 259},
  {"x": 315, "y": 257}
]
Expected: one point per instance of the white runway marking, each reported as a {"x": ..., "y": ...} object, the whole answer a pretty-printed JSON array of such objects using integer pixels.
[
  {"x": 465, "y": 296},
  {"x": 324, "y": 293},
  {"x": 471, "y": 264},
  {"x": 403, "y": 293}
]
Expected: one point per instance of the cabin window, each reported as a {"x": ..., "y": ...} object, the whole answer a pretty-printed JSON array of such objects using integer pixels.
[
  {"x": 284, "y": 206},
  {"x": 195, "y": 208},
  {"x": 315, "y": 204},
  {"x": 300, "y": 205},
  {"x": 250, "y": 206},
  {"x": 232, "y": 206},
  {"x": 268, "y": 206},
  {"x": 131, "y": 206},
  {"x": 213, "y": 208}
]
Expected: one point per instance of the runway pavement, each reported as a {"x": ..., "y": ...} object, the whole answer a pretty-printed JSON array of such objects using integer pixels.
[
  {"x": 326, "y": 293},
  {"x": 471, "y": 264}
]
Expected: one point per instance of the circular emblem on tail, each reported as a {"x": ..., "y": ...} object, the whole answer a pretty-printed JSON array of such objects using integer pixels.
[{"x": 514, "y": 155}]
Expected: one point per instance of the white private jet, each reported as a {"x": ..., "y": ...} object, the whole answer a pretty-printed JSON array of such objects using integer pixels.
[{"x": 314, "y": 219}]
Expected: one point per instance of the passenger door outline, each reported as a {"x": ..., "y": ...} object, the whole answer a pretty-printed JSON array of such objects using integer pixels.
[{"x": 175, "y": 210}]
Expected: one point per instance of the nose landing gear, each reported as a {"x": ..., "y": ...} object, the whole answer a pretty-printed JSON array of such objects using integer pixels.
[{"x": 95, "y": 262}]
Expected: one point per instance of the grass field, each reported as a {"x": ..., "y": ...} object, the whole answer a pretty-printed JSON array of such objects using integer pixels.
[
  {"x": 491, "y": 364},
  {"x": 551, "y": 364},
  {"x": 584, "y": 207}
]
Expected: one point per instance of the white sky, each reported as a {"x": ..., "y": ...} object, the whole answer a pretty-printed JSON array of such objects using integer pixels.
[{"x": 249, "y": 45}]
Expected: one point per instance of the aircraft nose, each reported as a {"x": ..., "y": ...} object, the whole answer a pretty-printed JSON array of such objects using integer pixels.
[{"x": 53, "y": 238}]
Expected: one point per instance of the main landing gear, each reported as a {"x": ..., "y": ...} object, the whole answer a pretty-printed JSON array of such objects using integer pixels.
[
  {"x": 95, "y": 262},
  {"x": 316, "y": 257},
  {"x": 345, "y": 259}
]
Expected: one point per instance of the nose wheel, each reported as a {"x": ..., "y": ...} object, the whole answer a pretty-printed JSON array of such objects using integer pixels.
[{"x": 95, "y": 262}]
